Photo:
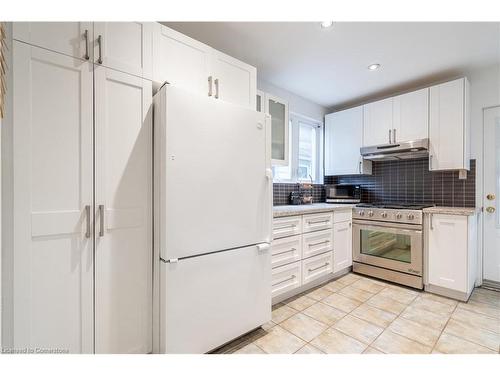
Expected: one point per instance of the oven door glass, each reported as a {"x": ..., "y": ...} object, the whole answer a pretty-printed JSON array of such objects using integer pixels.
[
  {"x": 386, "y": 245},
  {"x": 393, "y": 246}
]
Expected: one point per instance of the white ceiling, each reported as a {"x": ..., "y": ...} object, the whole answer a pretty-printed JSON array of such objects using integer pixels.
[{"x": 329, "y": 66}]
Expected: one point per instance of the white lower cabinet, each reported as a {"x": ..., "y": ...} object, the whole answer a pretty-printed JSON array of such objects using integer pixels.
[
  {"x": 314, "y": 222},
  {"x": 342, "y": 245},
  {"x": 287, "y": 226},
  {"x": 307, "y": 248},
  {"x": 316, "y": 242},
  {"x": 286, "y": 278},
  {"x": 286, "y": 250},
  {"x": 450, "y": 254},
  {"x": 317, "y": 266}
]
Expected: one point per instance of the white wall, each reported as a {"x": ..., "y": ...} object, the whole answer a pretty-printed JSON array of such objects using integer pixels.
[{"x": 296, "y": 103}]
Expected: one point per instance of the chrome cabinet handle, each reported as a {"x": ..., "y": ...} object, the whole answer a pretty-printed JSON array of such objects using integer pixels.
[
  {"x": 319, "y": 243},
  {"x": 430, "y": 219},
  {"x": 394, "y": 136},
  {"x": 359, "y": 167},
  {"x": 286, "y": 226},
  {"x": 87, "y": 213},
  {"x": 286, "y": 251},
  {"x": 430, "y": 162},
  {"x": 317, "y": 268},
  {"x": 86, "y": 36},
  {"x": 390, "y": 135},
  {"x": 210, "y": 86},
  {"x": 284, "y": 281},
  {"x": 99, "y": 44},
  {"x": 318, "y": 222},
  {"x": 101, "y": 225},
  {"x": 216, "y": 88}
]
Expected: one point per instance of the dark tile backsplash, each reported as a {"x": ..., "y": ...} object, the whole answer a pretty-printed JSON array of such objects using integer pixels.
[
  {"x": 281, "y": 193},
  {"x": 410, "y": 181},
  {"x": 407, "y": 181}
]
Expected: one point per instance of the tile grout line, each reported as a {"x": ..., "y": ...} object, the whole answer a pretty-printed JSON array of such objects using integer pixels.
[{"x": 444, "y": 327}]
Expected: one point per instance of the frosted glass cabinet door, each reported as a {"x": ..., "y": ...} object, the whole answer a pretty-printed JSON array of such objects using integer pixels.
[{"x": 278, "y": 109}]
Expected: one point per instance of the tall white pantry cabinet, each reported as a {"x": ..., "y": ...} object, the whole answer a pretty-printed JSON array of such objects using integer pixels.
[{"x": 81, "y": 217}]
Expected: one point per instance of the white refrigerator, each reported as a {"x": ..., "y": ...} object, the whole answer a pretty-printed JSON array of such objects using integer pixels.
[{"x": 212, "y": 221}]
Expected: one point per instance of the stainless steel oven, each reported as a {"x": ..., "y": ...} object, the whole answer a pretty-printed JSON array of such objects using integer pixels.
[{"x": 389, "y": 245}]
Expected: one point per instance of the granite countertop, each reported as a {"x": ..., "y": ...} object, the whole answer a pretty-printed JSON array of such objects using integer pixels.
[
  {"x": 466, "y": 211},
  {"x": 291, "y": 210}
]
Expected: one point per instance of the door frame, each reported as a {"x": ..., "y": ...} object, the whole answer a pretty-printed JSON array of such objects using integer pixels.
[{"x": 480, "y": 278}]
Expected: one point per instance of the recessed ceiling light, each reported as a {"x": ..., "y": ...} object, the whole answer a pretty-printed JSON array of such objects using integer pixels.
[
  {"x": 373, "y": 66},
  {"x": 326, "y": 24}
]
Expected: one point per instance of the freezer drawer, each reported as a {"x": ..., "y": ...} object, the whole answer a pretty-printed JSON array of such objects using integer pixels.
[
  {"x": 316, "y": 222},
  {"x": 209, "y": 300},
  {"x": 315, "y": 267},
  {"x": 315, "y": 243},
  {"x": 286, "y": 250},
  {"x": 287, "y": 226},
  {"x": 286, "y": 278}
]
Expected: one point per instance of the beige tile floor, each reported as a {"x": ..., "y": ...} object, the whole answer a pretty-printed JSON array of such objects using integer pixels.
[{"x": 356, "y": 314}]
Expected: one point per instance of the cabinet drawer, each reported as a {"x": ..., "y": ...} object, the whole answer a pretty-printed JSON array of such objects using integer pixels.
[
  {"x": 285, "y": 278},
  {"x": 286, "y": 250},
  {"x": 315, "y": 267},
  {"x": 339, "y": 216},
  {"x": 316, "y": 242},
  {"x": 287, "y": 226},
  {"x": 316, "y": 222}
]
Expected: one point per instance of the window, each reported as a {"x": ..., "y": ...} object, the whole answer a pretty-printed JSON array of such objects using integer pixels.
[{"x": 306, "y": 162}]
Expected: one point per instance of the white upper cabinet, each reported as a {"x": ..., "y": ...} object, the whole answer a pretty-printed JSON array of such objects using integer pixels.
[
  {"x": 124, "y": 46},
  {"x": 70, "y": 38},
  {"x": 185, "y": 62},
  {"x": 378, "y": 123},
  {"x": 343, "y": 139},
  {"x": 449, "y": 125},
  {"x": 234, "y": 81},
  {"x": 411, "y": 116},
  {"x": 180, "y": 60}
]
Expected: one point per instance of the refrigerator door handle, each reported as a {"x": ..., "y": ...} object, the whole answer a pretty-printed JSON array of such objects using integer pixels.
[{"x": 263, "y": 246}]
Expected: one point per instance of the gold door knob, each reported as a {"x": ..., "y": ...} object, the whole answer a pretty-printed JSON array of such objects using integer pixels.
[
  {"x": 490, "y": 209},
  {"x": 491, "y": 197}
]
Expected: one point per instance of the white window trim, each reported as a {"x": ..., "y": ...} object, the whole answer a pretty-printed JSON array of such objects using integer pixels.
[{"x": 294, "y": 145}]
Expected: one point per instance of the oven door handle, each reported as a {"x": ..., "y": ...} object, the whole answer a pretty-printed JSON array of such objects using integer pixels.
[{"x": 387, "y": 226}]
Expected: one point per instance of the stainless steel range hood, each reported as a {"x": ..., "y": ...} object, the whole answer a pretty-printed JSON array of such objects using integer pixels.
[{"x": 397, "y": 151}]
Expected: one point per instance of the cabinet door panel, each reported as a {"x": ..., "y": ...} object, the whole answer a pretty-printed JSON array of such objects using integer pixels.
[
  {"x": 180, "y": 60},
  {"x": 125, "y": 46},
  {"x": 52, "y": 182},
  {"x": 342, "y": 246},
  {"x": 447, "y": 251},
  {"x": 447, "y": 126},
  {"x": 411, "y": 115},
  {"x": 236, "y": 81},
  {"x": 280, "y": 129},
  {"x": 124, "y": 187},
  {"x": 64, "y": 37},
  {"x": 343, "y": 139},
  {"x": 377, "y": 123}
]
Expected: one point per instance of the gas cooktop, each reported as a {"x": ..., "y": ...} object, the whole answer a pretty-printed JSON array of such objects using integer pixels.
[{"x": 395, "y": 206}]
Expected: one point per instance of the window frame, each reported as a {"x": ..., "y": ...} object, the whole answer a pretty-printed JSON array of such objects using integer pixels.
[{"x": 293, "y": 162}]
